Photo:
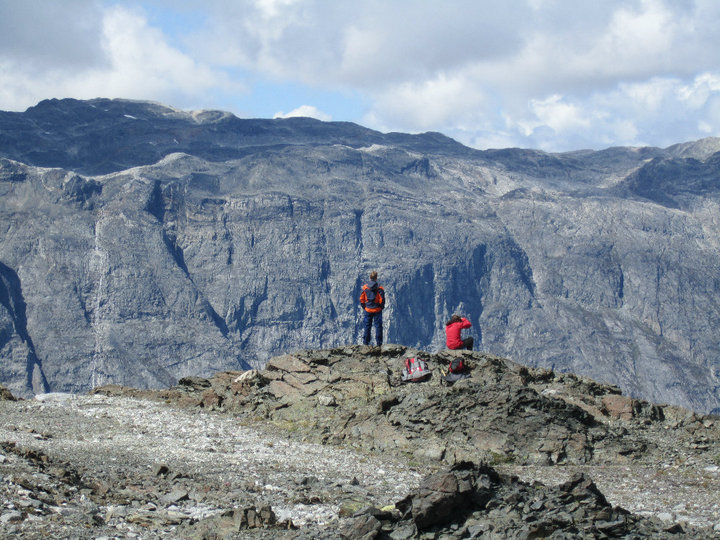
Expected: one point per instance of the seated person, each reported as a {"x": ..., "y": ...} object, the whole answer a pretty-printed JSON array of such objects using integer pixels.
[{"x": 453, "y": 329}]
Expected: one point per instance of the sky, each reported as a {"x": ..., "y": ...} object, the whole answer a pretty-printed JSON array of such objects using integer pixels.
[{"x": 554, "y": 75}]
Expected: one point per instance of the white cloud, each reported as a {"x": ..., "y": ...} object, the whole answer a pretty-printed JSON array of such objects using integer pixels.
[
  {"x": 631, "y": 73},
  {"x": 137, "y": 63},
  {"x": 273, "y": 8},
  {"x": 553, "y": 74},
  {"x": 144, "y": 64},
  {"x": 305, "y": 111},
  {"x": 698, "y": 92},
  {"x": 428, "y": 104},
  {"x": 649, "y": 95},
  {"x": 556, "y": 114},
  {"x": 36, "y": 35}
]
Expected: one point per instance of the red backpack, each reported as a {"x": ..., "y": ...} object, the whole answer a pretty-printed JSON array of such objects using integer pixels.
[
  {"x": 456, "y": 366},
  {"x": 415, "y": 370}
]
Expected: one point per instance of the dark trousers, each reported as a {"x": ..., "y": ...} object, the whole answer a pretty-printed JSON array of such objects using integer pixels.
[
  {"x": 468, "y": 343},
  {"x": 376, "y": 320}
]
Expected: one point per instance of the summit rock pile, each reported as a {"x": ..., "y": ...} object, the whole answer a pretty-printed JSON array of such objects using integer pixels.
[
  {"x": 529, "y": 452},
  {"x": 503, "y": 413}
]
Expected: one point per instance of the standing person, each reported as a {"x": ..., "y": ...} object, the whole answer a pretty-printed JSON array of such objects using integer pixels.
[
  {"x": 453, "y": 328},
  {"x": 372, "y": 300}
]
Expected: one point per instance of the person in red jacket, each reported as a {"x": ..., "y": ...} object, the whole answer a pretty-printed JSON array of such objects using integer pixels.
[{"x": 453, "y": 329}]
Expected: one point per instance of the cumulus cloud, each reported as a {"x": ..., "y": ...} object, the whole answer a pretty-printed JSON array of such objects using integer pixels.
[
  {"x": 121, "y": 56},
  {"x": 555, "y": 75},
  {"x": 142, "y": 63},
  {"x": 36, "y": 35},
  {"x": 305, "y": 111},
  {"x": 550, "y": 74}
]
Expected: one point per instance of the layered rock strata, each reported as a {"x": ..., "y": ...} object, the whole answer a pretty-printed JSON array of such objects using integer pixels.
[{"x": 140, "y": 244}]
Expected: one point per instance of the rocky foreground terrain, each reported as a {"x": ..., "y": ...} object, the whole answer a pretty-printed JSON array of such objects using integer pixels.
[
  {"x": 140, "y": 244},
  {"x": 331, "y": 444}
]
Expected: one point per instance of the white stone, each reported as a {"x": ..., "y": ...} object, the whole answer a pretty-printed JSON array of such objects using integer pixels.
[
  {"x": 54, "y": 396},
  {"x": 11, "y": 517}
]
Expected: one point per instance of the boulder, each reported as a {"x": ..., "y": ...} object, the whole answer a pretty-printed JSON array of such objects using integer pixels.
[
  {"x": 619, "y": 407},
  {"x": 5, "y": 394}
]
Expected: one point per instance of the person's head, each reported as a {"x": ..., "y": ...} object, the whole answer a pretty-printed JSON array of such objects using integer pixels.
[
  {"x": 373, "y": 276},
  {"x": 454, "y": 319}
]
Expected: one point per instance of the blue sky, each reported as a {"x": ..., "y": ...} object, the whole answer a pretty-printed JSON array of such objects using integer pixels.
[{"x": 556, "y": 75}]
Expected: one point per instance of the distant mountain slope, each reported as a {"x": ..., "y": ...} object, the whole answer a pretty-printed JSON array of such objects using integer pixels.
[
  {"x": 150, "y": 244},
  {"x": 102, "y": 136}
]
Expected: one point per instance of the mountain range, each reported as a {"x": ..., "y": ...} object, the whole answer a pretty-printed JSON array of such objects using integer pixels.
[{"x": 140, "y": 244}]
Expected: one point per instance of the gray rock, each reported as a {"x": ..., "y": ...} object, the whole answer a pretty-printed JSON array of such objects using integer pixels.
[
  {"x": 12, "y": 516},
  {"x": 440, "y": 498},
  {"x": 176, "y": 495},
  {"x": 503, "y": 413},
  {"x": 5, "y": 394},
  {"x": 364, "y": 527},
  {"x": 140, "y": 245},
  {"x": 99, "y": 473}
]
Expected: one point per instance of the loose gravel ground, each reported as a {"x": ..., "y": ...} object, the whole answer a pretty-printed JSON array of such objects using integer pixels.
[
  {"x": 215, "y": 462},
  {"x": 675, "y": 493},
  {"x": 231, "y": 464}
]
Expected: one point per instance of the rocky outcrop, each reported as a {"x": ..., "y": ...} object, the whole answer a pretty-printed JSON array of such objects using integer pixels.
[
  {"x": 502, "y": 413},
  {"x": 200, "y": 461},
  {"x": 141, "y": 245},
  {"x": 5, "y": 394},
  {"x": 470, "y": 501}
]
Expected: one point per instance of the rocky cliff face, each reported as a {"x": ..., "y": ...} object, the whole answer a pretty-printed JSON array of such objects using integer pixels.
[{"x": 141, "y": 244}]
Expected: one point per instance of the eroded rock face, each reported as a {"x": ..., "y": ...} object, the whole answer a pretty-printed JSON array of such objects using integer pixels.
[{"x": 140, "y": 245}]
